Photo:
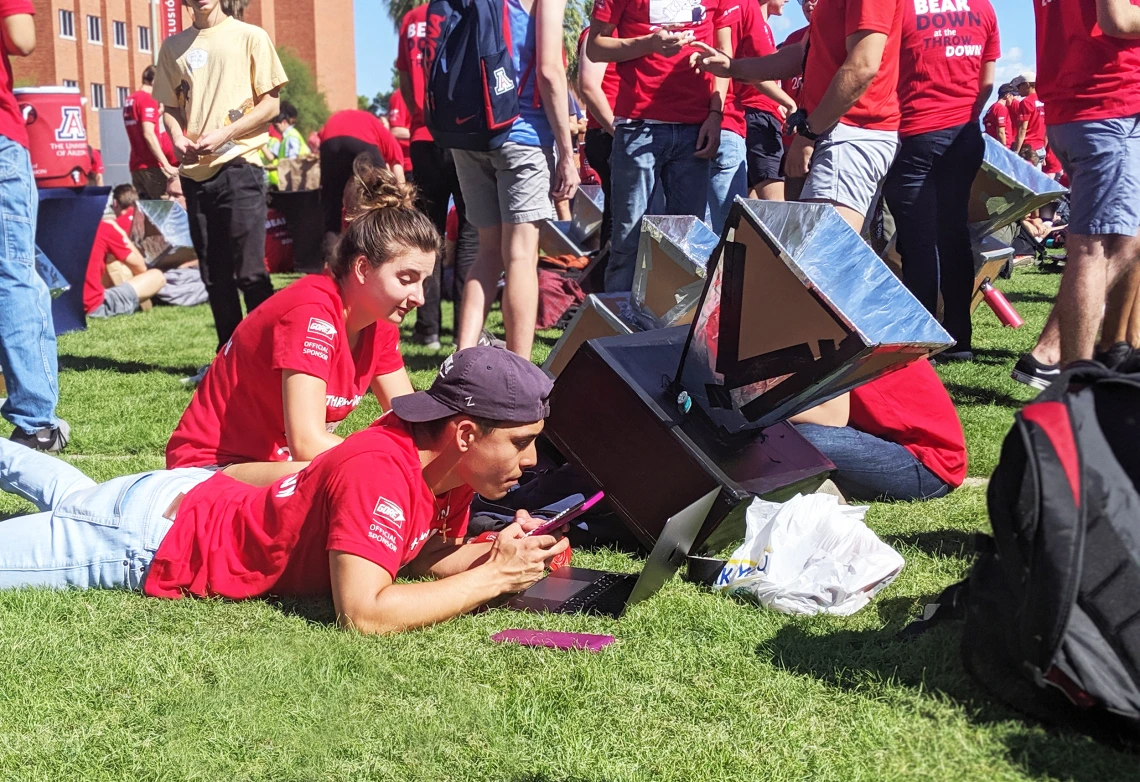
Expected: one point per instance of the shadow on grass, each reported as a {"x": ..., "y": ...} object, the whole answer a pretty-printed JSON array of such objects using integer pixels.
[
  {"x": 977, "y": 395},
  {"x": 994, "y": 356},
  {"x": 954, "y": 543},
  {"x": 314, "y": 610},
  {"x": 88, "y": 363},
  {"x": 1016, "y": 297},
  {"x": 858, "y": 661}
]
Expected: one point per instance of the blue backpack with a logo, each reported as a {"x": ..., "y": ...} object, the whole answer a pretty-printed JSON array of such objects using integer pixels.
[{"x": 471, "y": 100}]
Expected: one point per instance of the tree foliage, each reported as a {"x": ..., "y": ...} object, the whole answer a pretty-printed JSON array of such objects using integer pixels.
[{"x": 302, "y": 92}]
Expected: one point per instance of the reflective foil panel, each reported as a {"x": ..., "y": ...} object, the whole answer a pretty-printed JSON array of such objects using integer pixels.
[
  {"x": 671, "y": 259},
  {"x": 166, "y": 232},
  {"x": 600, "y": 315},
  {"x": 1008, "y": 188},
  {"x": 586, "y": 213},
  {"x": 797, "y": 310}
]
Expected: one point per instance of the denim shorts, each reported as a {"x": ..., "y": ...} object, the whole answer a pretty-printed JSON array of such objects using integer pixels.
[
  {"x": 508, "y": 185},
  {"x": 1102, "y": 159},
  {"x": 120, "y": 300},
  {"x": 848, "y": 166}
]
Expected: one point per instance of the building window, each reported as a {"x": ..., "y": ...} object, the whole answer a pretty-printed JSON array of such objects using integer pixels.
[
  {"x": 67, "y": 24},
  {"x": 97, "y": 99},
  {"x": 94, "y": 29},
  {"x": 72, "y": 83},
  {"x": 123, "y": 94},
  {"x": 144, "y": 39},
  {"x": 120, "y": 31}
]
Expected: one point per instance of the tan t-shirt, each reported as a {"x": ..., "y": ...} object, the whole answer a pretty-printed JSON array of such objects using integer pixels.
[{"x": 214, "y": 76}]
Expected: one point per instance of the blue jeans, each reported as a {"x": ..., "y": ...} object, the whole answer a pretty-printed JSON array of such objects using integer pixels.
[
  {"x": 644, "y": 154},
  {"x": 89, "y": 536},
  {"x": 867, "y": 468},
  {"x": 27, "y": 333},
  {"x": 928, "y": 192},
  {"x": 729, "y": 179}
]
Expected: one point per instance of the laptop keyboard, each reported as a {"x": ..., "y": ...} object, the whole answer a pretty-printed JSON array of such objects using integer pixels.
[{"x": 608, "y": 595}]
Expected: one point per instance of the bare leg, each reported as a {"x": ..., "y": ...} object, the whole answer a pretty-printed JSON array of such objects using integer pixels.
[
  {"x": 263, "y": 473},
  {"x": 1048, "y": 347},
  {"x": 147, "y": 284},
  {"x": 1080, "y": 301},
  {"x": 1123, "y": 289},
  {"x": 769, "y": 190},
  {"x": 520, "y": 296},
  {"x": 481, "y": 287}
]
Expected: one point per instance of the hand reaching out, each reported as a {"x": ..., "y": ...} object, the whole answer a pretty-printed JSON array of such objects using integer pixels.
[{"x": 709, "y": 60}]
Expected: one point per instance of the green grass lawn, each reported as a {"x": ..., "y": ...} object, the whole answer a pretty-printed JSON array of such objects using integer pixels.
[{"x": 114, "y": 686}]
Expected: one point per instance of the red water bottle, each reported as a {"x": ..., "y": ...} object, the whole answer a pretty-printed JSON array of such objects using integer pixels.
[{"x": 1000, "y": 305}]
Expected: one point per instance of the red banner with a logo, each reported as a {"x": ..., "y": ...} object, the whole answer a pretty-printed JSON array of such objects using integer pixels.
[{"x": 170, "y": 18}]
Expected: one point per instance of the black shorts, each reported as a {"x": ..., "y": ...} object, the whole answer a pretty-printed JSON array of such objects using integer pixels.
[{"x": 765, "y": 147}]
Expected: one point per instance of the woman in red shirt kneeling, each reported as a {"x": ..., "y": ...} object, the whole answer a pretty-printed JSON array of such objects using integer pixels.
[
  {"x": 896, "y": 438},
  {"x": 301, "y": 362}
]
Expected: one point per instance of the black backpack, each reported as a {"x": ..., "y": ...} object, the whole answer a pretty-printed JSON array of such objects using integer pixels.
[
  {"x": 471, "y": 98},
  {"x": 1052, "y": 604}
]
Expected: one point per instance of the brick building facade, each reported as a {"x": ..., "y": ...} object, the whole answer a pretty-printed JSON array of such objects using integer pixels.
[{"x": 102, "y": 46}]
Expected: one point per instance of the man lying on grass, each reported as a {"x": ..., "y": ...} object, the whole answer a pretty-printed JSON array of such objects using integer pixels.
[{"x": 395, "y": 494}]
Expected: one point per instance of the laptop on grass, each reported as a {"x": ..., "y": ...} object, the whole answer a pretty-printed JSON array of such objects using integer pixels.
[{"x": 572, "y": 590}]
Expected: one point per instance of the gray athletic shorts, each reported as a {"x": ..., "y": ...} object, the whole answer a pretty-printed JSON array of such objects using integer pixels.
[
  {"x": 848, "y": 166},
  {"x": 120, "y": 300},
  {"x": 510, "y": 184}
]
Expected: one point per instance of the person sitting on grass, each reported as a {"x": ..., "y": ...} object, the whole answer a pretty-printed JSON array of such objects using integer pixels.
[
  {"x": 106, "y": 299},
  {"x": 394, "y": 497},
  {"x": 123, "y": 201},
  {"x": 896, "y": 438},
  {"x": 303, "y": 360}
]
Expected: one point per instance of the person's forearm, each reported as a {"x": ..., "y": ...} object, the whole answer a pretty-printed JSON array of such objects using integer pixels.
[
  {"x": 1118, "y": 18},
  {"x": 1002, "y": 137},
  {"x": 784, "y": 64},
  {"x": 257, "y": 119},
  {"x": 175, "y": 123},
  {"x": 135, "y": 262},
  {"x": 847, "y": 86},
  {"x": 449, "y": 559},
  {"x": 774, "y": 91},
  {"x": 406, "y": 90},
  {"x": 590, "y": 78},
  {"x": 985, "y": 88},
  {"x": 406, "y": 606},
  {"x": 310, "y": 445},
  {"x": 1020, "y": 138},
  {"x": 152, "y": 142},
  {"x": 605, "y": 48}
]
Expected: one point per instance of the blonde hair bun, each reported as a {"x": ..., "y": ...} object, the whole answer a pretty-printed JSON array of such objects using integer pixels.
[{"x": 373, "y": 187}]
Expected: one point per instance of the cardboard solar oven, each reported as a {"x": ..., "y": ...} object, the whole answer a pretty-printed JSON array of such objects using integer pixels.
[
  {"x": 579, "y": 235},
  {"x": 600, "y": 315},
  {"x": 162, "y": 232},
  {"x": 797, "y": 310},
  {"x": 672, "y": 254},
  {"x": 1008, "y": 188}
]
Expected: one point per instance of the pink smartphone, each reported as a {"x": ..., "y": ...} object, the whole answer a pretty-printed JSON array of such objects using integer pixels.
[
  {"x": 552, "y": 640},
  {"x": 566, "y": 516}
]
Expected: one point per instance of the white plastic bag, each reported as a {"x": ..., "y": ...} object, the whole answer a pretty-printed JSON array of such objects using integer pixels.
[{"x": 809, "y": 555}]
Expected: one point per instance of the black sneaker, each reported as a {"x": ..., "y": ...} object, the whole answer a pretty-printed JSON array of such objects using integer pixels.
[
  {"x": 1115, "y": 357},
  {"x": 1032, "y": 372},
  {"x": 51, "y": 439}
]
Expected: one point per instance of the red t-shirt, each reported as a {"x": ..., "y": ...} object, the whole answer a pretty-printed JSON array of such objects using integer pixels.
[
  {"x": 11, "y": 118},
  {"x": 1052, "y": 163},
  {"x": 410, "y": 60},
  {"x": 831, "y": 23},
  {"x": 96, "y": 161},
  {"x": 943, "y": 51},
  {"x": 997, "y": 118},
  {"x": 657, "y": 87},
  {"x": 126, "y": 220},
  {"x": 610, "y": 82},
  {"x": 109, "y": 240},
  {"x": 366, "y": 497},
  {"x": 1083, "y": 73},
  {"x": 755, "y": 41},
  {"x": 398, "y": 118},
  {"x": 1032, "y": 110},
  {"x": 794, "y": 85},
  {"x": 451, "y": 227},
  {"x": 237, "y": 414},
  {"x": 365, "y": 126},
  {"x": 140, "y": 107},
  {"x": 910, "y": 407}
]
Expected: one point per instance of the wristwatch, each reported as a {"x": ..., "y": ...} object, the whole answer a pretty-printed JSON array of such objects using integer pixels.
[{"x": 798, "y": 124}]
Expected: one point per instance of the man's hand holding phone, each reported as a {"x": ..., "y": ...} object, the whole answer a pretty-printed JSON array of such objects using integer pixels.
[{"x": 521, "y": 559}]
